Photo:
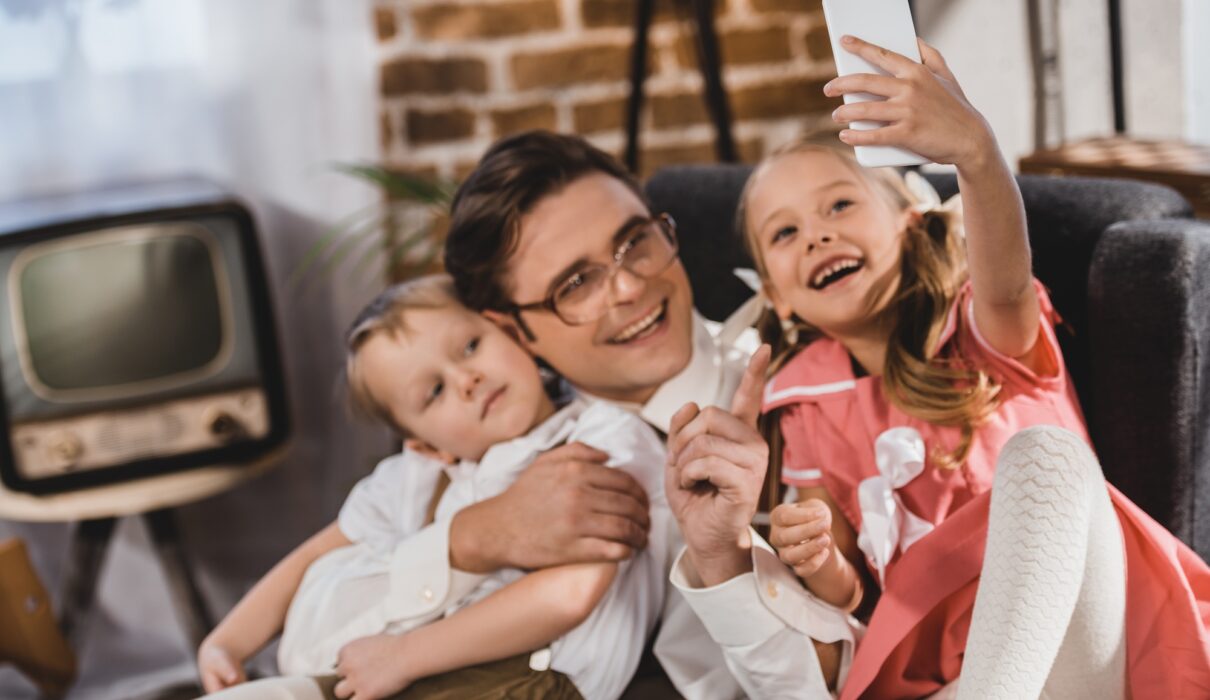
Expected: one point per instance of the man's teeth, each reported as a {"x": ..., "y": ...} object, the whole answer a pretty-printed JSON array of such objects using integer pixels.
[
  {"x": 833, "y": 269},
  {"x": 640, "y": 325}
]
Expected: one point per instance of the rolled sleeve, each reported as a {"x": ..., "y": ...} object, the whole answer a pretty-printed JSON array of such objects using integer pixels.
[
  {"x": 765, "y": 621},
  {"x": 422, "y": 580},
  {"x": 732, "y": 612}
]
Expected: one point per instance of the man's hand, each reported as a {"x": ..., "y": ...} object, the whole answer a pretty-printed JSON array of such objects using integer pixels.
[
  {"x": 218, "y": 668},
  {"x": 715, "y": 472},
  {"x": 567, "y": 507},
  {"x": 372, "y": 667},
  {"x": 802, "y": 535}
]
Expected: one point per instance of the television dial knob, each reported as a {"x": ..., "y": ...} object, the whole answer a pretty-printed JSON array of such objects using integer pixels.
[
  {"x": 67, "y": 448},
  {"x": 225, "y": 426}
]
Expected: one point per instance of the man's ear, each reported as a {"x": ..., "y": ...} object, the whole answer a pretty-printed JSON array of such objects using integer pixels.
[
  {"x": 507, "y": 323},
  {"x": 423, "y": 448},
  {"x": 780, "y": 307}
]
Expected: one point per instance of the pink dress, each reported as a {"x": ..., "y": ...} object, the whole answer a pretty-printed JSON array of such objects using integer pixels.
[{"x": 923, "y": 528}]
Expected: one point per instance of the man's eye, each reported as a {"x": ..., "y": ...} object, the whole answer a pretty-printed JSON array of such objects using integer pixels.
[
  {"x": 572, "y": 283},
  {"x": 471, "y": 346},
  {"x": 783, "y": 233},
  {"x": 841, "y": 205},
  {"x": 634, "y": 241}
]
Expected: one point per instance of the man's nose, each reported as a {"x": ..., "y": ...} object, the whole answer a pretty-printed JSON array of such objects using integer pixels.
[{"x": 625, "y": 286}]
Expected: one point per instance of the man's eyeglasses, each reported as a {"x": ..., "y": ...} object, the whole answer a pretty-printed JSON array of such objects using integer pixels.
[{"x": 648, "y": 247}]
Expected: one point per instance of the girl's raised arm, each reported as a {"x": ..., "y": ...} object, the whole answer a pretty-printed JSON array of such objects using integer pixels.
[{"x": 926, "y": 112}]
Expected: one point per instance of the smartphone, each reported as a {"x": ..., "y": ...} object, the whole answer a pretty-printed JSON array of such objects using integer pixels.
[{"x": 885, "y": 23}]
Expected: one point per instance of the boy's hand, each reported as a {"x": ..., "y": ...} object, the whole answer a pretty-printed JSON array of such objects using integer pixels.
[
  {"x": 218, "y": 668},
  {"x": 925, "y": 111},
  {"x": 371, "y": 668},
  {"x": 801, "y": 534}
]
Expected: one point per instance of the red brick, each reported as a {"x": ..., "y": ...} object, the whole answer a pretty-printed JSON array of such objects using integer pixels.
[
  {"x": 751, "y": 150},
  {"x": 511, "y": 121},
  {"x": 785, "y": 98},
  {"x": 602, "y": 115},
  {"x": 819, "y": 47},
  {"x": 412, "y": 76},
  {"x": 796, "y": 6},
  {"x": 583, "y": 64},
  {"x": 464, "y": 169},
  {"x": 620, "y": 13},
  {"x": 741, "y": 47},
  {"x": 455, "y": 22},
  {"x": 436, "y": 126},
  {"x": 656, "y": 157},
  {"x": 385, "y": 133},
  {"x": 679, "y": 109},
  {"x": 424, "y": 170},
  {"x": 385, "y": 23}
]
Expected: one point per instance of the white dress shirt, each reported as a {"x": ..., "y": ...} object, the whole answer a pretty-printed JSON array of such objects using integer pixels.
[
  {"x": 762, "y": 622},
  {"x": 363, "y": 589}
]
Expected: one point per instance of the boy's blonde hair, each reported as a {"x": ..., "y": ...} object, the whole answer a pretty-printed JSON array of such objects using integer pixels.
[
  {"x": 387, "y": 314},
  {"x": 932, "y": 272}
]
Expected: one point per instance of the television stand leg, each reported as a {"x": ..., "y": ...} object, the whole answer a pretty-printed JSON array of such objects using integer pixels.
[
  {"x": 90, "y": 543},
  {"x": 187, "y": 598},
  {"x": 89, "y": 546}
]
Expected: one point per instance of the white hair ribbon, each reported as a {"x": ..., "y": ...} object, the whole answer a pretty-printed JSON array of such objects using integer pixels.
[{"x": 927, "y": 199}]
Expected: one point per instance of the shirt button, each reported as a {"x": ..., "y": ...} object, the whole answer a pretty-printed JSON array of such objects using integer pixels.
[
  {"x": 772, "y": 590},
  {"x": 427, "y": 594}
]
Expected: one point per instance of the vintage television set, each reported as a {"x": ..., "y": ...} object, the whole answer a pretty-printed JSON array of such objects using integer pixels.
[{"x": 137, "y": 338}]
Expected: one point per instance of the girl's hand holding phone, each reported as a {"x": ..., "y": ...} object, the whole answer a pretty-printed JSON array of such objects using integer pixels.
[{"x": 925, "y": 110}]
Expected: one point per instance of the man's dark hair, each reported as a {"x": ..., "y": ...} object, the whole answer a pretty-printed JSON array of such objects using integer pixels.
[{"x": 514, "y": 175}]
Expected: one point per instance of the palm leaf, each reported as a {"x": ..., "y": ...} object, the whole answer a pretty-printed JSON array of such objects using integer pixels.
[{"x": 386, "y": 231}]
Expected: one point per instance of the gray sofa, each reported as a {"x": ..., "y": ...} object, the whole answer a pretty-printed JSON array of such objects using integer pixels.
[{"x": 1129, "y": 271}]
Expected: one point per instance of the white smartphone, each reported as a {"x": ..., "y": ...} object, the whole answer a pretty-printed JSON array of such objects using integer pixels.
[{"x": 885, "y": 23}]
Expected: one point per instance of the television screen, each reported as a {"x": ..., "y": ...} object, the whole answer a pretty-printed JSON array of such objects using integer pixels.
[{"x": 144, "y": 301}]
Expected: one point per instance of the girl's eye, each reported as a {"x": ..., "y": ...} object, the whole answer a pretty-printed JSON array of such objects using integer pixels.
[
  {"x": 471, "y": 346},
  {"x": 841, "y": 205},
  {"x": 784, "y": 232},
  {"x": 434, "y": 393}
]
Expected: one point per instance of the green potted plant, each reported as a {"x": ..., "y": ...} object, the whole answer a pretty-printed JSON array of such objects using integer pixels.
[{"x": 396, "y": 238}]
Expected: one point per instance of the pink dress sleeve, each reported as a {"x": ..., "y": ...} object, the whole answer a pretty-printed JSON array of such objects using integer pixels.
[
  {"x": 974, "y": 347},
  {"x": 799, "y": 466}
]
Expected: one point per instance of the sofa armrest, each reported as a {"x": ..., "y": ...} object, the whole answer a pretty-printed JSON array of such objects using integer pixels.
[{"x": 1149, "y": 327}]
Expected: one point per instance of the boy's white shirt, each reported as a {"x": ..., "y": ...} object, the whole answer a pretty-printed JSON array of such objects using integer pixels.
[
  {"x": 760, "y": 623},
  {"x": 360, "y": 590}
]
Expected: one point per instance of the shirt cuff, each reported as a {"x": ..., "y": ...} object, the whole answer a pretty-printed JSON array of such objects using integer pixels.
[
  {"x": 422, "y": 580},
  {"x": 731, "y": 611},
  {"x": 754, "y": 606}
]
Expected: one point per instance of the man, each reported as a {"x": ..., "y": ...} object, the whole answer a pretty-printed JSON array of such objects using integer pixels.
[{"x": 553, "y": 240}]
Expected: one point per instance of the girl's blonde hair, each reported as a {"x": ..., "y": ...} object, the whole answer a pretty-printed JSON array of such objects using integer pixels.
[
  {"x": 932, "y": 272},
  {"x": 387, "y": 314}
]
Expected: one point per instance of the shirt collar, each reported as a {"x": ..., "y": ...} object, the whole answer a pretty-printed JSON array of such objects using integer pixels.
[
  {"x": 550, "y": 433},
  {"x": 702, "y": 380}
]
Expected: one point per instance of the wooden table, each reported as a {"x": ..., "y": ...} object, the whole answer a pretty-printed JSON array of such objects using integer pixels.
[{"x": 1184, "y": 167}]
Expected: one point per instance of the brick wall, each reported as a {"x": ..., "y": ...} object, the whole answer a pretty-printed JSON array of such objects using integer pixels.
[{"x": 458, "y": 74}]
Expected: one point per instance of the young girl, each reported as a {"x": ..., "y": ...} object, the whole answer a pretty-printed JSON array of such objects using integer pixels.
[
  {"x": 908, "y": 357},
  {"x": 473, "y": 405}
]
